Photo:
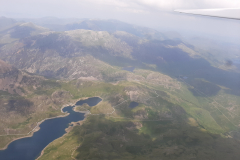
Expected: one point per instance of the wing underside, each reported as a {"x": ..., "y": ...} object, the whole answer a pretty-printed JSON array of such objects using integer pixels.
[{"x": 230, "y": 13}]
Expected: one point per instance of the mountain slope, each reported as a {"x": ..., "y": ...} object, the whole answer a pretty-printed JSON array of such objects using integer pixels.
[
  {"x": 25, "y": 100},
  {"x": 185, "y": 104},
  {"x": 113, "y": 26},
  {"x": 6, "y": 22},
  {"x": 10, "y": 78},
  {"x": 18, "y": 31},
  {"x": 65, "y": 55}
]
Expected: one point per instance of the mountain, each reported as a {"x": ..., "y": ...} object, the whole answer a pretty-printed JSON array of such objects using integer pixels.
[
  {"x": 96, "y": 55},
  {"x": 55, "y": 55},
  {"x": 69, "y": 47},
  {"x": 49, "y": 21},
  {"x": 65, "y": 55},
  {"x": 110, "y": 26},
  {"x": 187, "y": 107},
  {"x": 26, "y": 99},
  {"x": 113, "y": 26},
  {"x": 10, "y": 78},
  {"x": 53, "y": 23},
  {"x": 6, "y": 22},
  {"x": 18, "y": 31},
  {"x": 217, "y": 52}
]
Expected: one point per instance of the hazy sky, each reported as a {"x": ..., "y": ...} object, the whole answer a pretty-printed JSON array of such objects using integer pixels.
[
  {"x": 75, "y": 8},
  {"x": 157, "y": 14}
]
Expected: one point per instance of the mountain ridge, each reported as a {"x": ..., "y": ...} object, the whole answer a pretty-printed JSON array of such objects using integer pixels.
[{"x": 186, "y": 105}]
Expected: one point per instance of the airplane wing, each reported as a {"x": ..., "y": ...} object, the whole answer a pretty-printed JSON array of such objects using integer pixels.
[{"x": 230, "y": 13}]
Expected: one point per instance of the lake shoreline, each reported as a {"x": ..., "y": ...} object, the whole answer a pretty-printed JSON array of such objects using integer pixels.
[
  {"x": 37, "y": 127},
  {"x": 71, "y": 127},
  {"x": 67, "y": 130}
]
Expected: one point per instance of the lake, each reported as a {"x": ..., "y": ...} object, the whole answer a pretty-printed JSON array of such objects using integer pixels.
[
  {"x": 90, "y": 101},
  {"x": 30, "y": 148},
  {"x": 133, "y": 105}
]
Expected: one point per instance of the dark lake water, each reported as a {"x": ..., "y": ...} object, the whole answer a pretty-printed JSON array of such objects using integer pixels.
[
  {"x": 90, "y": 101},
  {"x": 133, "y": 105},
  {"x": 30, "y": 148},
  {"x": 130, "y": 69}
]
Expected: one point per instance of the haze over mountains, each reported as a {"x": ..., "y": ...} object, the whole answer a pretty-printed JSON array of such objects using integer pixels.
[
  {"x": 53, "y": 54},
  {"x": 46, "y": 63}
]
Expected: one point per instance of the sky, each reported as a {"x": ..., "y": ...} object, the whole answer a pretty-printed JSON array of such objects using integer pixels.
[{"x": 157, "y": 14}]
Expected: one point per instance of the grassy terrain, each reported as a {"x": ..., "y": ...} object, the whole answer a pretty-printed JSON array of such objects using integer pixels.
[
  {"x": 208, "y": 111},
  {"x": 173, "y": 125},
  {"x": 171, "y": 122},
  {"x": 62, "y": 148},
  {"x": 177, "y": 118},
  {"x": 19, "y": 114},
  {"x": 101, "y": 138}
]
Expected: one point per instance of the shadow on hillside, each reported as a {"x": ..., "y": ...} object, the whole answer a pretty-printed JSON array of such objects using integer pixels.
[{"x": 175, "y": 62}]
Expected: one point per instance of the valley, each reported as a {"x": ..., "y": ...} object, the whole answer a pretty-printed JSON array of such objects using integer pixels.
[{"x": 185, "y": 107}]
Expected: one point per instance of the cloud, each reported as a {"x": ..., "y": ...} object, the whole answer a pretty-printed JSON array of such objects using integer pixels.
[
  {"x": 174, "y": 4},
  {"x": 169, "y": 4},
  {"x": 44, "y": 7}
]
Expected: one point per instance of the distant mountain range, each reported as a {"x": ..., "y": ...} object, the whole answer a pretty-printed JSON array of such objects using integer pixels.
[
  {"x": 41, "y": 47},
  {"x": 54, "y": 54}
]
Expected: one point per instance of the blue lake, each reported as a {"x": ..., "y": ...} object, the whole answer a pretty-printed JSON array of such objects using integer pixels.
[
  {"x": 90, "y": 101},
  {"x": 30, "y": 148},
  {"x": 133, "y": 105}
]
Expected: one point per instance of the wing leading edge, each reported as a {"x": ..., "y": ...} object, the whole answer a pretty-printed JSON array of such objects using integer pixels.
[{"x": 230, "y": 13}]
